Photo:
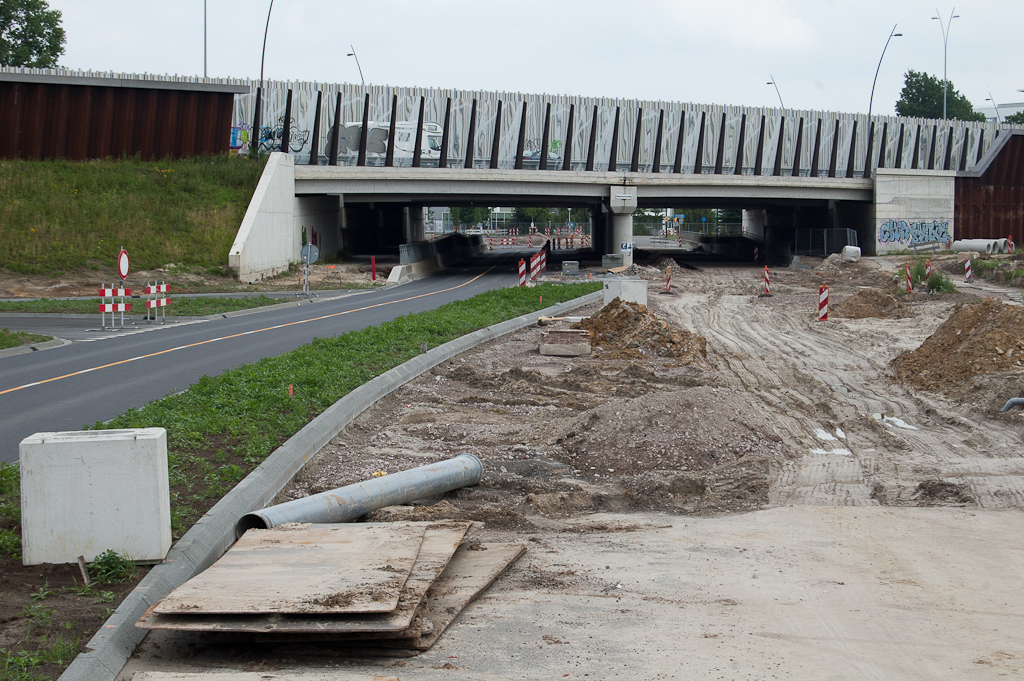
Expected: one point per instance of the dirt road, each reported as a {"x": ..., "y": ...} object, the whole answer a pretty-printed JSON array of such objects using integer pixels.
[{"x": 782, "y": 507}]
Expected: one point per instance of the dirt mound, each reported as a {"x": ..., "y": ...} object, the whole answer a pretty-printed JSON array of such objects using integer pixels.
[
  {"x": 631, "y": 330},
  {"x": 831, "y": 265},
  {"x": 984, "y": 338},
  {"x": 870, "y": 303},
  {"x": 934, "y": 492}
]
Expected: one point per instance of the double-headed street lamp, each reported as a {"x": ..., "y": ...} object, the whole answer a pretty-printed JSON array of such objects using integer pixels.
[
  {"x": 945, "y": 44},
  {"x": 992, "y": 99},
  {"x": 892, "y": 34}
]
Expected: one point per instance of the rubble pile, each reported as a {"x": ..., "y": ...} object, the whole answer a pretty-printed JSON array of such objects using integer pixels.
[{"x": 625, "y": 329}]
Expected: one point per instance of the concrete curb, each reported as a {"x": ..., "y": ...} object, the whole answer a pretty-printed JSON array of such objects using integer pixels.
[
  {"x": 214, "y": 533},
  {"x": 25, "y": 349}
]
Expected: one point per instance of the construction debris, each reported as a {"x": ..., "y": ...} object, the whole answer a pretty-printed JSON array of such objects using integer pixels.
[
  {"x": 983, "y": 338},
  {"x": 625, "y": 330},
  {"x": 565, "y": 342},
  {"x": 870, "y": 303},
  {"x": 395, "y": 586}
]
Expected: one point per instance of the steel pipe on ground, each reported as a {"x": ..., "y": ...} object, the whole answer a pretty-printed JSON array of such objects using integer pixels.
[{"x": 352, "y": 501}]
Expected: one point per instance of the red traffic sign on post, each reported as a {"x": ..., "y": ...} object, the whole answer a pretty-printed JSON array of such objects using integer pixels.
[{"x": 123, "y": 264}]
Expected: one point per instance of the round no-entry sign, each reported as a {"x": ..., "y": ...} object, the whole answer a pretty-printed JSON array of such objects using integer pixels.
[{"x": 123, "y": 264}]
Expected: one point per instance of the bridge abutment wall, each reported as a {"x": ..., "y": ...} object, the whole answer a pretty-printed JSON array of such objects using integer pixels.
[
  {"x": 267, "y": 240},
  {"x": 912, "y": 207}
]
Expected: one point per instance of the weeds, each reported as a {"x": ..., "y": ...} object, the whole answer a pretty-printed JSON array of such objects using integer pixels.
[
  {"x": 43, "y": 593},
  {"x": 110, "y": 567},
  {"x": 10, "y": 510}
]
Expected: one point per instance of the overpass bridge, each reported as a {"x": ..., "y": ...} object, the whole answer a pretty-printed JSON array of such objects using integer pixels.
[{"x": 360, "y": 164}]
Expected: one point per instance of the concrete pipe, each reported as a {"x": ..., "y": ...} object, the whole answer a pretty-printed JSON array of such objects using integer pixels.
[
  {"x": 980, "y": 245},
  {"x": 349, "y": 502},
  {"x": 1004, "y": 245},
  {"x": 1013, "y": 402}
]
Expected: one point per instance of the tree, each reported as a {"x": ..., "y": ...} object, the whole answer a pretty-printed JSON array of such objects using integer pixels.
[
  {"x": 463, "y": 215},
  {"x": 523, "y": 214},
  {"x": 1015, "y": 119},
  {"x": 922, "y": 97},
  {"x": 30, "y": 34}
]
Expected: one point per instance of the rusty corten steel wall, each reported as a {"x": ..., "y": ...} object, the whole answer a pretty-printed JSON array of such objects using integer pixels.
[
  {"x": 992, "y": 206},
  {"x": 40, "y": 120}
]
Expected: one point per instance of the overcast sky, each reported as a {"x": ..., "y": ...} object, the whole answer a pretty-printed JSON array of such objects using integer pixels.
[{"x": 821, "y": 53}]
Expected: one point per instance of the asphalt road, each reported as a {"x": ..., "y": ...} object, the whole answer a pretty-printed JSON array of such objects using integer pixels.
[{"x": 81, "y": 383}]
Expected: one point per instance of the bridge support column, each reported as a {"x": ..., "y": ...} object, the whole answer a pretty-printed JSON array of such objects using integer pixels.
[
  {"x": 416, "y": 228},
  {"x": 621, "y": 203}
]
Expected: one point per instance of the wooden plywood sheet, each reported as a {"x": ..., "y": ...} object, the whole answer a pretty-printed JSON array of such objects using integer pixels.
[
  {"x": 440, "y": 540},
  {"x": 304, "y": 569}
]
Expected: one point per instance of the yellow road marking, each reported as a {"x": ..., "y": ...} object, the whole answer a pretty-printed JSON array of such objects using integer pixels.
[{"x": 238, "y": 335}]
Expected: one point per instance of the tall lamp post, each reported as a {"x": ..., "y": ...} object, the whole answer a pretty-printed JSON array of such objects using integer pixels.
[
  {"x": 999, "y": 120},
  {"x": 945, "y": 44},
  {"x": 254, "y": 141},
  {"x": 772, "y": 82},
  {"x": 892, "y": 34},
  {"x": 353, "y": 54}
]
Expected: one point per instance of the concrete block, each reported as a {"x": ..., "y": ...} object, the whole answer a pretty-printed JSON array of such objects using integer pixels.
[
  {"x": 84, "y": 492},
  {"x": 570, "y": 267},
  {"x": 626, "y": 289},
  {"x": 851, "y": 254}
]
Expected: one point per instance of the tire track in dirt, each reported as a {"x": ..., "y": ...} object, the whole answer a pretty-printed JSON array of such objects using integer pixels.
[{"x": 813, "y": 378}]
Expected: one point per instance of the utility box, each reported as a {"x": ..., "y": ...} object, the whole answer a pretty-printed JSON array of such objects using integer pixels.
[
  {"x": 570, "y": 267},
  {"x": 626, "y": 289},
  {"x": 84, "y": 492},
  {"x": 611, "y": 260}
]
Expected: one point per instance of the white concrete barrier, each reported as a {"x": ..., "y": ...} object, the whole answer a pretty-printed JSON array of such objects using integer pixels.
[
  {"x": 84, "y": 492},
  {"x": 626, "y": 289},
  {"x": 851, "y": 253}
]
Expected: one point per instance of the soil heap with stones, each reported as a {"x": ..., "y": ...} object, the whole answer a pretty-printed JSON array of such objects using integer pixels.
[
  {"x": 983, "y": 338},
  {"x": 624, "y": 330},
  {"x": 870, "y": 303}
]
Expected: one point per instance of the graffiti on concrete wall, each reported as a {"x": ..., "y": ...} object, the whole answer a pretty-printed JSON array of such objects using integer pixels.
[
  {"x": 240, "y": 138},
  {"x": 909, "y": 232}
]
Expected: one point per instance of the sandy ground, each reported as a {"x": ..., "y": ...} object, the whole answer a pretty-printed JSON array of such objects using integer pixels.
[{"x": 781, "y": 508}]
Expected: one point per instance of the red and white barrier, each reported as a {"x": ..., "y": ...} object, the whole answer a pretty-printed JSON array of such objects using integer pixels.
[
  {"x": 910, "y": 285},
  {"x": 755, "y": 254},
  {"x": 531, "y": 239},
  {"x": 157, "y": 300},
  {"x": 928, "y": 269},
  {"x": 1009, "y": 239},
  {"x": 534, "y": 266},
  {"x": 668, "y": 279},
  {"x": 522, "y": 272},
  {"x": 585, "y": 241},
  {"x": 823, "y": 303},
  {"x": 108, "y": 304},
  {"x": 967, "y": 270},
  {"x": 544, "y": 260},
  {"x": 767, "y": 282}
]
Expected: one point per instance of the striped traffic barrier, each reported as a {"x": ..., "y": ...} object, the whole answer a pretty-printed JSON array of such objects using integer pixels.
[
  {"x": 767, "y": 282},
  {"x": 823, "y": 303},
  {"x": 543, "y": 260},
  {"x": 157, "y": 299},
  {"x": 111, "y": 292},
  {"x": 490, "y": 243},
  {"x": 585, "y": 242},
  {"x": 967, "y": 270},
  {"x": 910, "y": 286},
  {"x": 928, "y": 269},
  {"x": 668, "y": 279},
  {"x": 522, "y": 272},
  {"x": 534, "y": 266},
  {"x": 1009, "y": 240}
]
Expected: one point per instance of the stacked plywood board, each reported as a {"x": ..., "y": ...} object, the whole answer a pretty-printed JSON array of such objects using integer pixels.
[{"x": 390, "y": 588}]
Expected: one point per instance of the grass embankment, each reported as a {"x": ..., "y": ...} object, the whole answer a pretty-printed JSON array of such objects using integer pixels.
[
  {"x": 63, "y": 215},
  {"x": 13, "y": 339},
  {"x": 182, "y": 307}
]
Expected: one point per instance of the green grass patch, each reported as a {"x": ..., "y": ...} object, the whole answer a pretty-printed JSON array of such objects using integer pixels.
[
  {"x": 13, "y": 339},
  {"x": 61, "y": 215},
  {"x": 184, "y": 307},
  {"x": 224, "y": 426}
]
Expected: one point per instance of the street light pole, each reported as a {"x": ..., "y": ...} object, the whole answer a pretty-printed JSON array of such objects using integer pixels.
[
  {"x": 353, "y": 54},
  {"x": 204, "y": 39},
  {"x": 892, "y": 34},
  {"x": 772, "y": 82},
  {"x": 263, "y": 57},
  {"x": 992, "y": 99},
  {"x": 945, "y": 45}
]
